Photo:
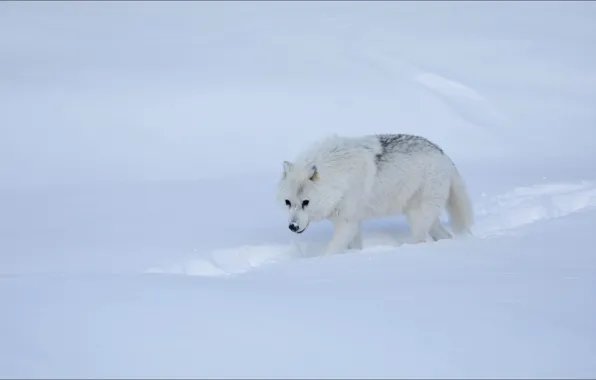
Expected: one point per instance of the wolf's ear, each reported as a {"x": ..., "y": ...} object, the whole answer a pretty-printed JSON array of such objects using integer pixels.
[
  {"x": 287, "y": 167},
  {"x": 313, "y": 173}
]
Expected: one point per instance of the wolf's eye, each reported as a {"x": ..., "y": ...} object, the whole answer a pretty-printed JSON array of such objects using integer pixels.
[
  {"x": 288, "y": 203},
  {"x": 305, "y": 203}
]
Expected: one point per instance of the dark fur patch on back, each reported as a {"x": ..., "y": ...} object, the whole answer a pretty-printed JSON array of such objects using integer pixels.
[{"x": 402, "y": 143}]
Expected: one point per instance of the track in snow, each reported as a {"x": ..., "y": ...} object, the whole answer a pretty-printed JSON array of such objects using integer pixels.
[{"x": 498, "y": 215}]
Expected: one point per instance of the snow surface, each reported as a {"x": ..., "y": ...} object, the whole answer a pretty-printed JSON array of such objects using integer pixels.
[{"x": 140, "y": 144}]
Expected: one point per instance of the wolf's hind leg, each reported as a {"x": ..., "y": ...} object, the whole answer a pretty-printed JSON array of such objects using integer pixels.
[
  {"x": 439, "y": 232},
  {"x": 422, "y": 216}
]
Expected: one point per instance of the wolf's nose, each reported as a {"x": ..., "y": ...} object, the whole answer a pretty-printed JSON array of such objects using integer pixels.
[{"x": 293, "y": 227}]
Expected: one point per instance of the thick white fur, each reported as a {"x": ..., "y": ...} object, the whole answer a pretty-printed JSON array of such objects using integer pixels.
[{"x": 340, "y": 178}]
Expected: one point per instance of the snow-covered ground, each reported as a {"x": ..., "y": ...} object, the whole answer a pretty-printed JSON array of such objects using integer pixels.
[{"x": 140, "y": 144}]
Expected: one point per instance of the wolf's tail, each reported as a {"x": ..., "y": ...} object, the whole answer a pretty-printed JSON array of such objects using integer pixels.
[{"x": 459, "y": 206}]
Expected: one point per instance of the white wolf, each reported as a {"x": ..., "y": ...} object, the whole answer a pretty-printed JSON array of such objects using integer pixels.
[{"x": 349, "y": 179}]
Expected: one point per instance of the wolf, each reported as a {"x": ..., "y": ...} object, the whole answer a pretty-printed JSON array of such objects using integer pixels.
[{"x": 350, "y": 179}]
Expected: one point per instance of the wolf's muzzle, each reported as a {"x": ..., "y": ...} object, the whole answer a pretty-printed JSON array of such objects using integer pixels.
[{"x": 295, "y": 228}]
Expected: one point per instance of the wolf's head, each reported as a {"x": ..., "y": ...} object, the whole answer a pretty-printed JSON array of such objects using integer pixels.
[{"x": 297, "y": 193}]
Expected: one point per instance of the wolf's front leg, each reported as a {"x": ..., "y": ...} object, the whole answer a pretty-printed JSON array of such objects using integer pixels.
[
  {"x": 356, "y": 242},
  {"x": 346, "y": 234}
]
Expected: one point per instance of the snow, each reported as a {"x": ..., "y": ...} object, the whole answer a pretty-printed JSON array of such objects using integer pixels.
[{"x": 141, "y": 143}]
